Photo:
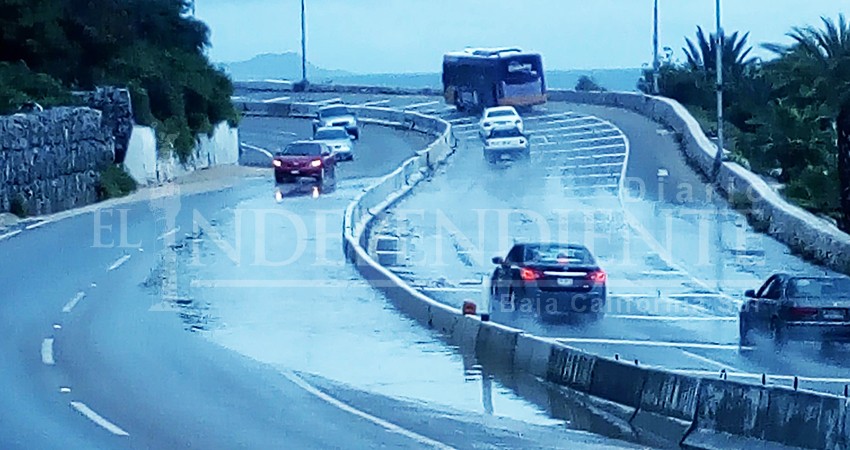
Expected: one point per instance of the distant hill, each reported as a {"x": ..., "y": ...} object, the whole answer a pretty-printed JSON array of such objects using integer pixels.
[
  {"x": 288, "y": 66},
  {"x": 277, "y": 66}
]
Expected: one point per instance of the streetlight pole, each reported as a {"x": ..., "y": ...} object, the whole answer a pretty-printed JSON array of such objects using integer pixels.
[
  {"x": 718, "y": 158},
  {"x": 655, "y": 62},
  {"x": 303, "y": 44}
]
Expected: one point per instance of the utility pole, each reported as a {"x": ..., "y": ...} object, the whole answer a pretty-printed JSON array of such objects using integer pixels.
[
  {"x": 303, "y": 44},
  {"x": 656, "y": 64}
]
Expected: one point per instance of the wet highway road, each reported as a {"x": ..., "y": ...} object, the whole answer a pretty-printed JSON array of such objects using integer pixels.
[
  {"x": 95, "y": 309},
  {"x": 663, "y": 257}
]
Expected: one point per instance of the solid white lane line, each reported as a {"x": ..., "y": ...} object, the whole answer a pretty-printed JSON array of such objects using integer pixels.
[
  {"x": 169, "y": 233},
  {"x": 47, "y": 352},
  {"x": 118, "y": 263},
  {"x": 259, "y": 149},
  {"x": 672, "y": 318},
  {"x": 583, "y": 149},
  {"x": 276, "y": 100},
  {"x": 98, "y": 419},
  {"x": 38, "y": 224},
  {"x": 649, "y": 343},
  {"x": 393, "y": 428},
  {"x": 71, "y": 304},
  {"x": 596, "y": 133},
  {"x": 10, "y": 234},
  {"x": 710, "y": 361}
]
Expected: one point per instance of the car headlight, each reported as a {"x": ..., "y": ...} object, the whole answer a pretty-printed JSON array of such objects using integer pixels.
[
  {"x": 316, "y": 163},
  {"x": 276, "y": 163}
]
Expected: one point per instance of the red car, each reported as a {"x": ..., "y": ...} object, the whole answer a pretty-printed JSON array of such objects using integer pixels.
[{"x": 305, "y": 159}]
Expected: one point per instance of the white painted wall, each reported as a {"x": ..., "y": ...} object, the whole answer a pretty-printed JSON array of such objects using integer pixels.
[
  {"x": 147, "y": 169},
  {"x": 140, "y": 161}
]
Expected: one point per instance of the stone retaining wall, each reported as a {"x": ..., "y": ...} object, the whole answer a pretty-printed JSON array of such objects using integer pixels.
[{"x": 50, "y": 161}]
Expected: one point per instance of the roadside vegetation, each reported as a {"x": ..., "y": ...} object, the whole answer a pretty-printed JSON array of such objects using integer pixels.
[
  {"x": 787, "y": 117},
  {"x": 49, "y": 48}
]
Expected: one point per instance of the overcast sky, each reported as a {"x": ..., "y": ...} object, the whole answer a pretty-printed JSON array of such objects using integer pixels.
[{"x": 370, "y": 36}]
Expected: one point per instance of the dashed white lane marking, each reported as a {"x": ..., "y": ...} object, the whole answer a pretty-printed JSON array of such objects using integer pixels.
[
  {"x": 259, "y": 149},
  {"x": 650, "y": 343},
  {"x": 71, "y": 304},
  {"x": 118, "y": 263},
  {"x": 98, "y": 419},
  {"x": 47, "y": 352},
  {"x": 672, "y": 318},
  {"x": 419, "y": 105},
  {"x": 64, "y": 390},
  {"x": 171, "y": 232},
  {"x": 10, "y": 234},
  {"x": 391, "y": 427},
  {"x": 709, "y": 361},
  {"x": 276, "y": 100},
  {"x": 38, "y": 224}
]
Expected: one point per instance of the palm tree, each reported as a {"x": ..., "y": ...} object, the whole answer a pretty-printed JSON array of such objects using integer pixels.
[
  {"x": 702, "y": 55},
  {"x": 826, "y": 52}
]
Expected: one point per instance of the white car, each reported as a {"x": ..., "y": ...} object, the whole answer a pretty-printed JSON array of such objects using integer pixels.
[
  {"x": 499, "y": 116},
  {"x": 506, "y": 141},
  {"x": 338, "y": 139}
]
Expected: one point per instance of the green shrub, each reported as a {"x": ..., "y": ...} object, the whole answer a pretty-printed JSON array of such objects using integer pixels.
[
  {"x": 114, "y": 182},
  {"x": 18, "y": 85},
  {"x": 18, "y": 207}
]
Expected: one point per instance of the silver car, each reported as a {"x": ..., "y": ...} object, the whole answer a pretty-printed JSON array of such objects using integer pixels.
[
  {"x": 338, "y": 139},
  {"x": 337, "y": 115}
]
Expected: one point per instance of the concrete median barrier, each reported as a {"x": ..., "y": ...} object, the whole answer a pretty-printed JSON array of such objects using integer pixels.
[
  {"x": 668, "y": 405},
  {"x": 532, "y": 354},
  {"x": 729, "y": 415},
  {"x": 570, "y": 367},
  {"x": 495, "y": 345},
  {"x": 618, "y": 382}
]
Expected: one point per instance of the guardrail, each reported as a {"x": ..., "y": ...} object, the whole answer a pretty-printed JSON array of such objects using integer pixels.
[{"x": 682, "y": 409}]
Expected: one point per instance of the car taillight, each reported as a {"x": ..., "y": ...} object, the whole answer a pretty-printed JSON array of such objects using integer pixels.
[
  {"x": 803, "y": 313},
  {"x": 597, "y": 276},
  {"x": 277, "y": 163},
  {"x": 529, "y": 274},
  {"x": 316, "y": 163}
]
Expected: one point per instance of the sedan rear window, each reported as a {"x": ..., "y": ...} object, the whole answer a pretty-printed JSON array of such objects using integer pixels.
[
  {"x": 558, "y": 254},
  {"x": 332, "y": 134},
  {"x": 819, "y": 288},
  {"x": 500, "y": 113},
  {"x": 335, "y": 112},
  {"x": 500, "y": 133}
]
